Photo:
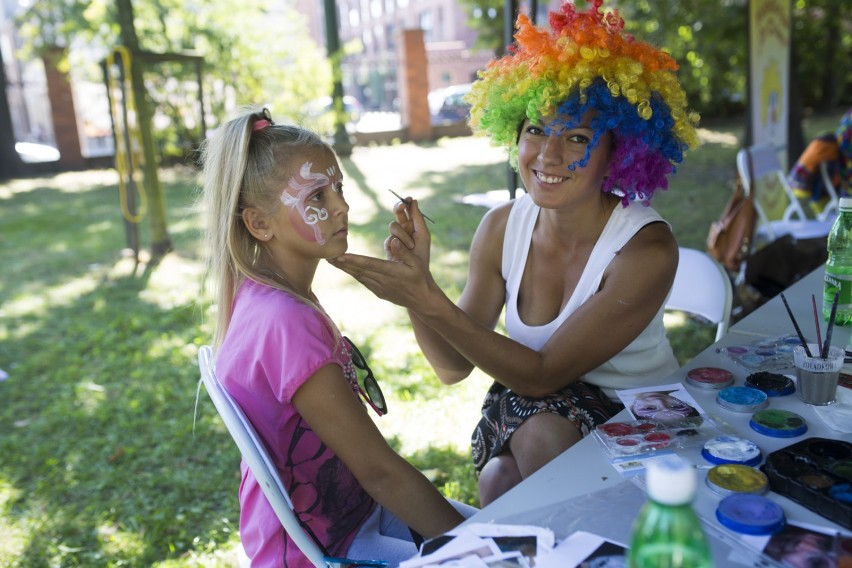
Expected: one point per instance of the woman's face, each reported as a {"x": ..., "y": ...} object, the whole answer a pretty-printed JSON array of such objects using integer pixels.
[
  {"x": 547, "y": 148},
  {"x": 660, "y": 406}
]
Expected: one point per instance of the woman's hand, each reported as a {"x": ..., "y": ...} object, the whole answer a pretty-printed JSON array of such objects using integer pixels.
[
  {"x": 408, "y": 230},
  {"x": 404, "y": 278}
]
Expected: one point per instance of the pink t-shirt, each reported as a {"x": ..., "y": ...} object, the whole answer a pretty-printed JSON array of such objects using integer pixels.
[{"x": 273, "y": 345}]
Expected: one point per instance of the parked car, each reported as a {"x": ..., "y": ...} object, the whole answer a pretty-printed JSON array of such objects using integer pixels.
[{"x": 447, "y": 105}]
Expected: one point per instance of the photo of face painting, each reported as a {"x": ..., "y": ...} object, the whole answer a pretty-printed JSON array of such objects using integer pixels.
[
  {"x": 607, "y": 555},
  {"x": 799, "y": 547},
  {"x": 660, "y": 403}
]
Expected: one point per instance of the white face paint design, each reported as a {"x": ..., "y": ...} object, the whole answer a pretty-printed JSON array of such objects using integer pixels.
[{"x": 295, "y": 196}]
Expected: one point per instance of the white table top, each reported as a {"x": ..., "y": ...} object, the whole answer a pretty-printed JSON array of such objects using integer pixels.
[{"x": 584, "y": 468}]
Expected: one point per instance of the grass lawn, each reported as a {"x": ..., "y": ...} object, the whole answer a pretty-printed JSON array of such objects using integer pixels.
[{"x": 102, "y": 461}]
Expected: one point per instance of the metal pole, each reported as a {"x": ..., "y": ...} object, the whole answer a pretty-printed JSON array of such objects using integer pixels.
[
  {"x": 510, "y": 10},
  {"x": 342, "y": 144}
]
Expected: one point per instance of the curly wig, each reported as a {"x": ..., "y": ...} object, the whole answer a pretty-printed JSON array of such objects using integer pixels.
[{"x": 586, "y": 61}]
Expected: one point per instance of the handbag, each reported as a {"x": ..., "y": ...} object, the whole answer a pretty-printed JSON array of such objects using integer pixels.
[{"x": 729, "y": 238}]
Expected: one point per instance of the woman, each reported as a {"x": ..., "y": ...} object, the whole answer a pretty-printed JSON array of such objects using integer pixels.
[{"x": 594, "y": 121}]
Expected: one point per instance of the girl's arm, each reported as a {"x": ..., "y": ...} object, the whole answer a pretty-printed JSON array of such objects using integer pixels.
[{"x": 327, "y": 404}]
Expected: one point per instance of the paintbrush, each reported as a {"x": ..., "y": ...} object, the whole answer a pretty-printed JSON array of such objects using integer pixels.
[
  {"x": 827, "y": 345},
  {"x": 398, "y": 196},
  {"x": 796, "y": 325}
]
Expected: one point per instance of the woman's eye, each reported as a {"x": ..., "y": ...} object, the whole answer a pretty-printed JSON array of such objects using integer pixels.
[
  {"x": 338, "y": 187},
  {"x": 316, "y": 196},
  {"x": 579, "y": 138},
  {"x": 532, "y": 129}
]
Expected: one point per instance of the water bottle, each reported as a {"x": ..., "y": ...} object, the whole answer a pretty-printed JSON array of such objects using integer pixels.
[
  {"x": 838, "y": 268},
  {"x": 667, "y": 532}
]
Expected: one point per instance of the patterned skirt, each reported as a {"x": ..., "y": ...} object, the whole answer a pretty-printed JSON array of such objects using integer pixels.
[{"x": 503, "y": 412}]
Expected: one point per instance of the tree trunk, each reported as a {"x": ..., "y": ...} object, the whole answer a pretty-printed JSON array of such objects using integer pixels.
[
  {"x": 160, "y": 241},
  {"x": 62, "y": 111}
]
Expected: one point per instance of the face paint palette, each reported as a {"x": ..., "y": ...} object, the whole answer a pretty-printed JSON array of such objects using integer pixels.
[
  {"x": 731, "y": 450},
  {"x": 771, "y": 354},
  {"x": 778, "y": 423},
  {"x": 727, "y": 479},
  {"x": 709, "y": 378},
  {"x": 742, "y": 399},
  {"x": 772, "y": 384},
  {"x": 750, "y": 514},
  {"x": 627, "y": 439},
  {"x": 816, "y": 473}
]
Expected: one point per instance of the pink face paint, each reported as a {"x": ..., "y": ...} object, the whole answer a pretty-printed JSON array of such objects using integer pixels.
[{"x": 301, "y": 187}]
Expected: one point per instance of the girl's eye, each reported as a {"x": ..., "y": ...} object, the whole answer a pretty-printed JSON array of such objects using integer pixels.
[
  {"x": 338, "y": 187},
  {"x": 316, "y": 196},
  {"x": 535, "y": 130}
]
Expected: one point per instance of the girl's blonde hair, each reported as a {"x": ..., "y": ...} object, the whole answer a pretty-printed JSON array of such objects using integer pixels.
[{"x": 246, "y": 163}]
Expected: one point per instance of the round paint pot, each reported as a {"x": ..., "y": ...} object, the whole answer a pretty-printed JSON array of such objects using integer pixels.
[
  {"x": 727, "y": 479},
  {"x": 628, "y": 445},
  {"x": 772, "y": 384},
  {"x": 841, "y": 492},
  {"x": 742, "y": 399},
  {"x": 616, "y": 429},
  {"x": 658, "y": 440},
  {"x": 731, "y": 449},
  {"x": 709, "y": 378},
  {"x": 747, "y": 513},
  {"x": 778, "y": 423}
]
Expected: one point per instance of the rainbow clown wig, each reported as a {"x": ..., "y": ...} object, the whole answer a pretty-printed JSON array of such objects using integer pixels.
[{"x": 588, "y": 62}]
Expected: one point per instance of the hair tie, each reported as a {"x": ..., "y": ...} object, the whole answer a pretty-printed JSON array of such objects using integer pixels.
[{"x": 264, "y": 120}]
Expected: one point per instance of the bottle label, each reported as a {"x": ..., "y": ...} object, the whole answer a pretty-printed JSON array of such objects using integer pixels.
[{"x": 834, "y": 283}]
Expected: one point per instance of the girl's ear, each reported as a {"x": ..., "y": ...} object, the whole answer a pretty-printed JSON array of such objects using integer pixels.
[{"x": 256, "y": 223}]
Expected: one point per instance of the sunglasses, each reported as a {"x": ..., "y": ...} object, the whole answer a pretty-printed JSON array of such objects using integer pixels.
[{"x": 370, "y": 392}]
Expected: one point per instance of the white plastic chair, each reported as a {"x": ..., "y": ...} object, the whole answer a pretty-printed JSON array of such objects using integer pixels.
[
  {"x": 257, "y": 458},
  {"x": 832, "y": 207},
  {"x": 766, "y": 168},
  {"x": 702, "y": 287}
]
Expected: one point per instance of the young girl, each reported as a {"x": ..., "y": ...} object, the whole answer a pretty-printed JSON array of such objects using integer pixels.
[{"x": 275, "y": 208}]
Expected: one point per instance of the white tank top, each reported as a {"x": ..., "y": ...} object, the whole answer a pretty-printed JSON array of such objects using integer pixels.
[{"x": 645, "y": 361}]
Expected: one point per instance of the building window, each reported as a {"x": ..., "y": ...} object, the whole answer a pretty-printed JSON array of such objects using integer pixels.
[
  {"x": 389, "y": 6},
  {"x": 376, "y": 9},
  {"x": 354, "y": 17},
  {"x": 426, "y": 24},
  {"x": 402, "y": 3}
]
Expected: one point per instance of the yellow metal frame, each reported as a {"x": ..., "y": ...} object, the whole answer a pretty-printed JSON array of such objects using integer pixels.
[{"x": 127, "y": 159}]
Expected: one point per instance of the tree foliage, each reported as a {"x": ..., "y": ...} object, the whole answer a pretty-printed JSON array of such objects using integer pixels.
[
  {"x": 709, "y": 39},
  {"x": 254, "y": 52}
]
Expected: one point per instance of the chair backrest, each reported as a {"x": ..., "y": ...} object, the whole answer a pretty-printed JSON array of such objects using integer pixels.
[
  {"x": 767, "y": 182},
  {"x": 257, "y": 458},
  {"x": 702, "y": 287},
  {"x": 832, "y": 207}
]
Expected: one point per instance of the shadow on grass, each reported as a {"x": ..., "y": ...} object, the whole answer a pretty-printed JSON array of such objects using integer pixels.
[{"x": 99, "y": 452}]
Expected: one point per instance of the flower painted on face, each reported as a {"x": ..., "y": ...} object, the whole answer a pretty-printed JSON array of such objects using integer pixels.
[{"x": 300, "y": 188}]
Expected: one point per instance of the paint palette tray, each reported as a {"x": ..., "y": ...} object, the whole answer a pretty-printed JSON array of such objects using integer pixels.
[
  {"x": 770, "y": 354},
  {"x": 622, "y": 440},
  {"x": 816, "y": 473}
]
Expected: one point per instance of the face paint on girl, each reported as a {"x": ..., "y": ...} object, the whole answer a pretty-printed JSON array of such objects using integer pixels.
[{"x": 300, "y": 188}]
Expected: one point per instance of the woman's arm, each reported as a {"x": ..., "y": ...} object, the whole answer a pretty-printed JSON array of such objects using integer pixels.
[
  {"x": 633, "y": 288},
  {"x": 481, "y": 300},
  {"x": 327, "y": 404}
]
